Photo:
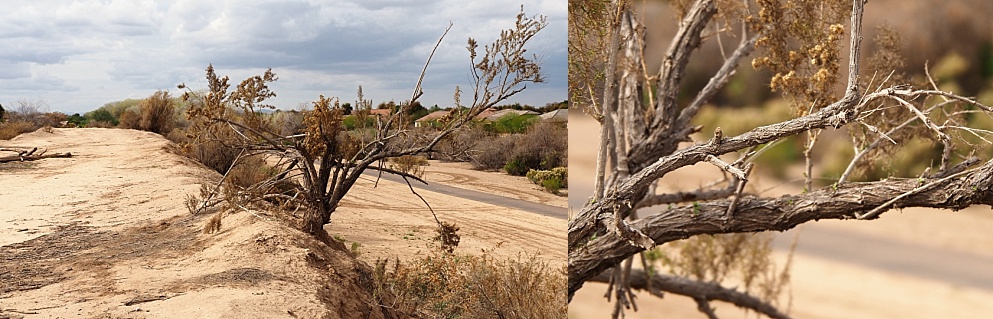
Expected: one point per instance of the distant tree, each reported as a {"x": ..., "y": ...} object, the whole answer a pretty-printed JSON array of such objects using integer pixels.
[
  {"x": 102, "y": 115},
  {"x": 555, "y": 106},
  {"x": 77, "y": 120},
  {"x": 416, "y": 111},
  {"x": 2, "y": 113},
  {"x": 347, "y": 108},
  {"x": 386, "y": 106}
]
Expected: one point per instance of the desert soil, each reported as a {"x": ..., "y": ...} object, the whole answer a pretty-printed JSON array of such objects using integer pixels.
[
  {"x": 914, "y": 263},
  {"x": 106, "y": 234}
]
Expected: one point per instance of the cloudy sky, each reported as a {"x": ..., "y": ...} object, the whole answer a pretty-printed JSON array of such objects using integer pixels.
[{"x": 79, "y": 55}]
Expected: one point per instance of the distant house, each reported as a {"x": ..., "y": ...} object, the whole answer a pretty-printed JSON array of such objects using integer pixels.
[
  {"x": 560, "y": 115},
  {"x": 381, "y": 112},
  {"x": 501, "y": 113},
  {"x": 432, "y": 118},
  {"x": 484, "y": 114}
]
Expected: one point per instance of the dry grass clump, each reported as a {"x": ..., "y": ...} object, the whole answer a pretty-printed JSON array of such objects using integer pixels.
[
  {"x": 461, "y": 286},
  {"x": 214, "y": 225},
  {"x": 11, "y": 129},
  {"x": 155, "y": 114},
  {"x": 158, "y": 113},
  {"x": 410, "y": 164}
]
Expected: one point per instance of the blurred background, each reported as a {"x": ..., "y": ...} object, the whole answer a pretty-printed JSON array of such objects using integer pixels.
[{"x": 910, "y": 263}]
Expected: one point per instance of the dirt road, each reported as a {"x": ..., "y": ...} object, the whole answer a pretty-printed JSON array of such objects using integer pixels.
[{"x": 484, "y": 197}]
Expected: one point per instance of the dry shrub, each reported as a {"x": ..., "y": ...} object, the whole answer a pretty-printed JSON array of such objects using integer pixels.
[
  {"x": 448, "y": 236},
  {"x": 287, "y": 123},
  {"x": 744, "y": 258},
  {"x": 99, "y": 124},
  {"x": 158, "y": 113},
  {"x": 462, "y": 144},
  {"x": 493, "y": 153},
  {"x": 543, "y": 146},
  {"x": 214, "y": 225},
  {"x": 212, "y": 150},
  {"x": 410, "y": 164},
  {"x": 130, "y": 120},
  {"x": 177, "y": 136},
  {"x": 463, "y": 286},
  {"x": 11, "y": 129}
]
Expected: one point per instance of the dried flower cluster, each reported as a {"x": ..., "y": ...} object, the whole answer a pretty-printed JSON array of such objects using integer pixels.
[{"x": 801, "y": 40}]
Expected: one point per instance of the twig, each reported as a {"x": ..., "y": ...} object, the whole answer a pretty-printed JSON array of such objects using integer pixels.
[
  {"x": 682, "y": 197},
  {"x": 641, "y": 280},
  {"x": 737, "y": 193},
  {"x": 704, "y": 306},
  {"x": 872, "y": 213},
  {"x": 727, "y": 167},
  {"x": 436, "y": 220}
]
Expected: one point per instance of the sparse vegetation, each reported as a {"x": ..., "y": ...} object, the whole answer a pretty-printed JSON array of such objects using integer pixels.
[
  {"x": 552, "y": 180},
  {"x": 409, "y": 164},
  {"x": 543, "y": 146},
  {"x": 464, "y": 286}
]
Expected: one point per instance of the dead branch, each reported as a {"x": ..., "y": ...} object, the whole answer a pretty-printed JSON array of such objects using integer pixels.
[
  {"x": 971, "y": 187},
  {"x": 682, "y": 197},
  {"x": 25, "y": 155},
  {"x": 641, "y": 280}
]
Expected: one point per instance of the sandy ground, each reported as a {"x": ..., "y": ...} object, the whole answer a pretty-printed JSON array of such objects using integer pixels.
[
  {"x": 105, "y": 234},
  {"x": 462, "y": 175},
  {"x": 824, "y": 284},
  {"x": 391, "y": 222}
]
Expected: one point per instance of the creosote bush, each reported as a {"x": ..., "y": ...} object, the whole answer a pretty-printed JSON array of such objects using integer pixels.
[
  {"x": 410, "y": 164},
  {"x": 543, "y": 146},
  {"x": 158, "y": 113},
  {"x": 552, "y": 180}
]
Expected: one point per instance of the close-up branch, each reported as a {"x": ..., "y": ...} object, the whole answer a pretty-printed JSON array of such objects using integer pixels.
[{"x": 649, "y": 131}]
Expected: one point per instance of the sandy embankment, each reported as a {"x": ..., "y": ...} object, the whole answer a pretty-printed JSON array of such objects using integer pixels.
[
  {"x": 825, "y": 283},
  {"x": 106, "y": 233}
]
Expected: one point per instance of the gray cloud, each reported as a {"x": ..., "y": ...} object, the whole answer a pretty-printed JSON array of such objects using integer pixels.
[{"x": 92, "y": 52}]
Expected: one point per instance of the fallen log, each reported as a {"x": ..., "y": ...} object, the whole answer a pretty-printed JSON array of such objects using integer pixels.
[{"x": 29, "y": 155}]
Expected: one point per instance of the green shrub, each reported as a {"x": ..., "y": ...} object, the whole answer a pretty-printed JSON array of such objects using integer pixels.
[
  {"x": 352, "y": 121},
  {"x": 552, "y": 185},
  {"x": 77, "y": 120},
  {"x": 519, "y": 165},
  {"x": 552, "y": 180},
  {"x": 102, "y": 115},
  {"x": 513, "y": 123}
]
